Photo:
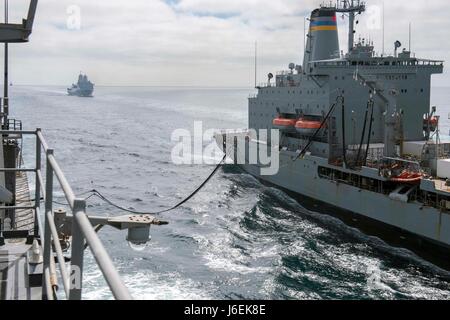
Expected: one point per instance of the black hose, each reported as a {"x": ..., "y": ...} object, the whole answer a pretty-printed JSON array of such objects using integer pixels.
[
  {"x": 344, "y": 147},
  {"x": 197, "y": 190},
  {"x": 99, "y": 195},
  {"x": 102, "y": 197},
  {"x": 97, "y": 230},
  {"x": 363, "y": 135},
  {"x": 310, "y": 141},
  {"x": 370, "y": 132}
]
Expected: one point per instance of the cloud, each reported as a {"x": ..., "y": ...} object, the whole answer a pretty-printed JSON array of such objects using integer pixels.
[{"x": 197, "y": 42}]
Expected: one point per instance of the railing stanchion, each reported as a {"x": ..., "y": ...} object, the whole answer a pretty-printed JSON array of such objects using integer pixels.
[
  {"x": 37, "y": 195},
  {"x": 82, "y": 230},
  {"x": 47, "y": 233},
  {"x": 76, "y": 266}
]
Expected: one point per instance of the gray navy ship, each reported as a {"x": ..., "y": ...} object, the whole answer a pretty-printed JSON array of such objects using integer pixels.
[
  {"x": 358, "y": 137},
  {"x": 83, "y": 88}
]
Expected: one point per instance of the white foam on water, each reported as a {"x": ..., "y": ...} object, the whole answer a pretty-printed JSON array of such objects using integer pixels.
[
  {"x": 220, "y": 255},
  {"x": 375, "y": 281},
  {"x": 146, "y": 285}
]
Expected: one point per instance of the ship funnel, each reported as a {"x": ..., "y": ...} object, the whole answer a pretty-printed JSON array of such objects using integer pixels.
[{"x": 323, "y": 40}]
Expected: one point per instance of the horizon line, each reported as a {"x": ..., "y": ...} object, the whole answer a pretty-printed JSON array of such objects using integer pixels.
[{"x": 137, "y": 86}]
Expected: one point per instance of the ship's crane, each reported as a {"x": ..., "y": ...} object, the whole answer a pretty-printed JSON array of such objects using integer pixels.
[{"x": 13, "y": 33}]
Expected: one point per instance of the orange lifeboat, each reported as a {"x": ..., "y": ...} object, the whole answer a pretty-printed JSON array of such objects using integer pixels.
[
  {"x": 284, "y": 124},
  {"x": 408, "y": 177},
  {"x": 307, "y": 127}
]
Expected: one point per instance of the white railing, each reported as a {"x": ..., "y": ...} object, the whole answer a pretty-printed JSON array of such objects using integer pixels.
[{"x": 83, "y": 233}]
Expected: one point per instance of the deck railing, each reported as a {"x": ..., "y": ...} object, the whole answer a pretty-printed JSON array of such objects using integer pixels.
[{"x": 83, "y": 232}]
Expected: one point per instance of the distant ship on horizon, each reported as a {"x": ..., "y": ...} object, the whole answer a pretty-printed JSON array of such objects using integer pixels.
[{"x": 83, "y": 88}]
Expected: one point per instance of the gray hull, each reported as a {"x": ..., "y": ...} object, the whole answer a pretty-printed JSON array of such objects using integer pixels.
[
  {"x": 423, "y": 225},
  {"x": 80, "y": 92},
  {"x": 302, "y": 177}
]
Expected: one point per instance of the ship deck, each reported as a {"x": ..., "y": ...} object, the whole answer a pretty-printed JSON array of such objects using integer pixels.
[
  {"x": 441, "y": 186},
  {"x": 24, "y": 218},
  {"x": 16, "y": 281}
]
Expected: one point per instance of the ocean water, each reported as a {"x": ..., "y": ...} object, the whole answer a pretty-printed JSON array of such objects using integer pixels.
[{"x": 237, "y": 239}]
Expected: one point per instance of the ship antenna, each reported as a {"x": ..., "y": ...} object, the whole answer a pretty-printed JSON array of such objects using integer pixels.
[
  {"x": 304, "y": 36},
  {"x": 410, "y": 37},
  {"x": 256, "y": 62},
  {"x": 383, "y": 29},
  {"x": 352, "y": 8},
  {"x": 5, "y": 98}
]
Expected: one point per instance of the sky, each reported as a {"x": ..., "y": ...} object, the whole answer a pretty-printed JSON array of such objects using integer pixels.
[{"x": 200, "y": 42}]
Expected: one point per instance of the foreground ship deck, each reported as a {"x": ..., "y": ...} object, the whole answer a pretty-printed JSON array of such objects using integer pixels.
[
  {"x": 35, "y": 239},
  {"x": 13, "y": 254},
  {"x": 33, "y": 243}
]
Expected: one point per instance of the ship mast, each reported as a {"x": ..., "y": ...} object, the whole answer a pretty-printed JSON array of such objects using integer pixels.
[
  {"x": 5, "y": 93},
  {"x": 352, "y": 7}
]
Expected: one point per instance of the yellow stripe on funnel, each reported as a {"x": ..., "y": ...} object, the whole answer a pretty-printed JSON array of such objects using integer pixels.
[{"x": 324, "y": 28}]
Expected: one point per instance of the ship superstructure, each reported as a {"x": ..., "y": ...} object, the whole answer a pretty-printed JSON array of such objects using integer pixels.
[
  {"x": 357, "y": 132},
  {"x": 83, "y": 87}
]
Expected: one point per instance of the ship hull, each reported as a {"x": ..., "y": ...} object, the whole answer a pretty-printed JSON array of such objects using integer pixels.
[
  {"x": 436, "y": 252},
  {"x": 80, "y": 92},
  {"x": 424, "y": 230}
]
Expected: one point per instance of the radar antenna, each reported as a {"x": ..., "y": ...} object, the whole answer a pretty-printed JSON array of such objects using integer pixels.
[
  {"x": 353, "y": 8},
  {"x": 6, "y": 70}
]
